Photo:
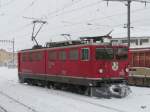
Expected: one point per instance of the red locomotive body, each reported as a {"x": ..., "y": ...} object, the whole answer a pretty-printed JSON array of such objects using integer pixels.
[{"x": 89, "y": 65}]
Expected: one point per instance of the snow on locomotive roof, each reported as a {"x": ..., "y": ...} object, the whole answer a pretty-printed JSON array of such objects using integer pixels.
[
  {"x": 71, "y": 46},
  {"x": 84, "y": 41},
  {"x": 63, "y": 43},
  {"x": 96, "y": 38}
]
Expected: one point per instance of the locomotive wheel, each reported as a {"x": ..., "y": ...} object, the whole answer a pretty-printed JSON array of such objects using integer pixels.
[
  {"x": 81, "y": 89},
  {"x": 41, "y": 83},
  {"x": 49, "y": 85},
  {"x": 21, "y": 80},
  {"x": 29, "y": 81}
]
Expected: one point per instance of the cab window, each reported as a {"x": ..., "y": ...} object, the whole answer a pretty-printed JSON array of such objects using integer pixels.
[{"x": 104, "y": 53}]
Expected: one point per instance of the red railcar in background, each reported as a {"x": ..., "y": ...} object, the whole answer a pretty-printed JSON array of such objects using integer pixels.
[
  {"x": 87, "y": 66},
  {"x": 140, "y": 67}
]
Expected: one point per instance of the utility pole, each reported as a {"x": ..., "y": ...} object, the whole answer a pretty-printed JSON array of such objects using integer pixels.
[
  {"x": 128, "y": 15},
  {"x": 129, "y": 21}
]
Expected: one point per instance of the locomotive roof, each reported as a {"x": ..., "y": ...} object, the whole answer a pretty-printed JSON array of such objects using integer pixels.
[
  {"x": 71, "y": 46},
  {"x": 84, "y": 41},
  {"x": 63, "y": 43},
  {"x": 96, "y": 38}
]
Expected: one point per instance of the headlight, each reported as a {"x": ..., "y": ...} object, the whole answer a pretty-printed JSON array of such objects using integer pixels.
[
  {"x": 101, "y": 71},
  {"x": 127, "y": 69}
]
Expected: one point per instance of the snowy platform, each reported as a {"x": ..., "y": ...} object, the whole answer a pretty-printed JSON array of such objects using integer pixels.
[{"x": 16, "y": 97}]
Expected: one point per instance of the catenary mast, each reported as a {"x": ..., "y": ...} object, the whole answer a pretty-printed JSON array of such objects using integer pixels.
[{"x": 128, "y": 14}]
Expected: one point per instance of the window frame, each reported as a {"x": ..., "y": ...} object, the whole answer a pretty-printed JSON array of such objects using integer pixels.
[
  {"x": 60, "y": 55},
  {"x": 31, "y": 56},
  {"x": 36, "y": 56},
  {"x": 88, "y": 54},
  {"x": 124, "y": 41},
  {"x": 134, "y": 41},
  {"x": 24, "y": 57},
  {"x": 102, "y": 48},
  {"x": 143, "y": 41},
  {"x": 73, "y": 51},
  {"x": 52, "y": 59}
]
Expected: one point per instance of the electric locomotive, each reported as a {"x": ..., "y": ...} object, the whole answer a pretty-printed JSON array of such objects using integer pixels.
[{"x": 91, "y": 66}]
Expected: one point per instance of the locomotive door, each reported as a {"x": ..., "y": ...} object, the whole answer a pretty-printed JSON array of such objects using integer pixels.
[
  {"x": 85, "y": 63},
  {"x": 68, "y": 62},
  {"x": 62, "y": 56},
  {"x": 52, "y": 63},
  {"x": 72, "y": 64}
]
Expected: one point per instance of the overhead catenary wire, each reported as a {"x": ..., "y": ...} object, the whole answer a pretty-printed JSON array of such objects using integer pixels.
[
  {"x": 29, "y": 6},
  {"x": 87, "y": 29},
  {"x": 105, "y": 17},
  {"x": 6, "y": 4},
  {"x": 95, "y": 19},
  {"x": 19, "y": 29},
  {"x": 95, "y": 3},
  {"x": 92, "y": 28},
  {"x": 75, "y": 9},
  {"x": 97, "y": 27},
  {"x": 64, "y": 7},
  {"x": 19, "y": 14}
]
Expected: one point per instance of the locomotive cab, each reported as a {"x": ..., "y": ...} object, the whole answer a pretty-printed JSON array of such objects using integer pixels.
[
  {"x": 111, "y": 62},
  {"x": 109, "y": 66}
]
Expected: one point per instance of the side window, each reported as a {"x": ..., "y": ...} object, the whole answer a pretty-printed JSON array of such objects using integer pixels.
[
  {"x": 30, "y": 56},
  {"x": 142, "y": 41},
  {"x": 85, "y": 54},
  {"x": 23, "y": 57},
  {"x": 52, "y": 55},
  {"x": 62, "y": 55},
  {"x": 73, "y": 54},
  {"x": 38, "y": 56}
]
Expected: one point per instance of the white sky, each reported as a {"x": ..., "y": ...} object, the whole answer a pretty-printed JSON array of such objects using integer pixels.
[{"x": 69, "y": 16}]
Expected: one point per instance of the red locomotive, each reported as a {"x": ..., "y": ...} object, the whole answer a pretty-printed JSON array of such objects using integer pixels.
[{"x": 88, "y": 66}]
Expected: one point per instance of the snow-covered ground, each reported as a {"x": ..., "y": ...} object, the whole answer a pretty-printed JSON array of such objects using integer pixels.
[{"x": 16, "y": 97}]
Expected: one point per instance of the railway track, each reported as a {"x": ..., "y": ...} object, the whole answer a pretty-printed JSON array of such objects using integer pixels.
[
  {"x": 65, "y": 94},
  {"x": 103, "y": 106},
  {"x": 2, "y": 109},
  {"x": 85, "y": 100},
  {"x": 15, "y": 101}
]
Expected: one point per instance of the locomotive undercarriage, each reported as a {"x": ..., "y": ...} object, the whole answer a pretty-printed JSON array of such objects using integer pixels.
[
  {"x": 95, "y": 88},
  {"x": 119, "y": 90}
]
